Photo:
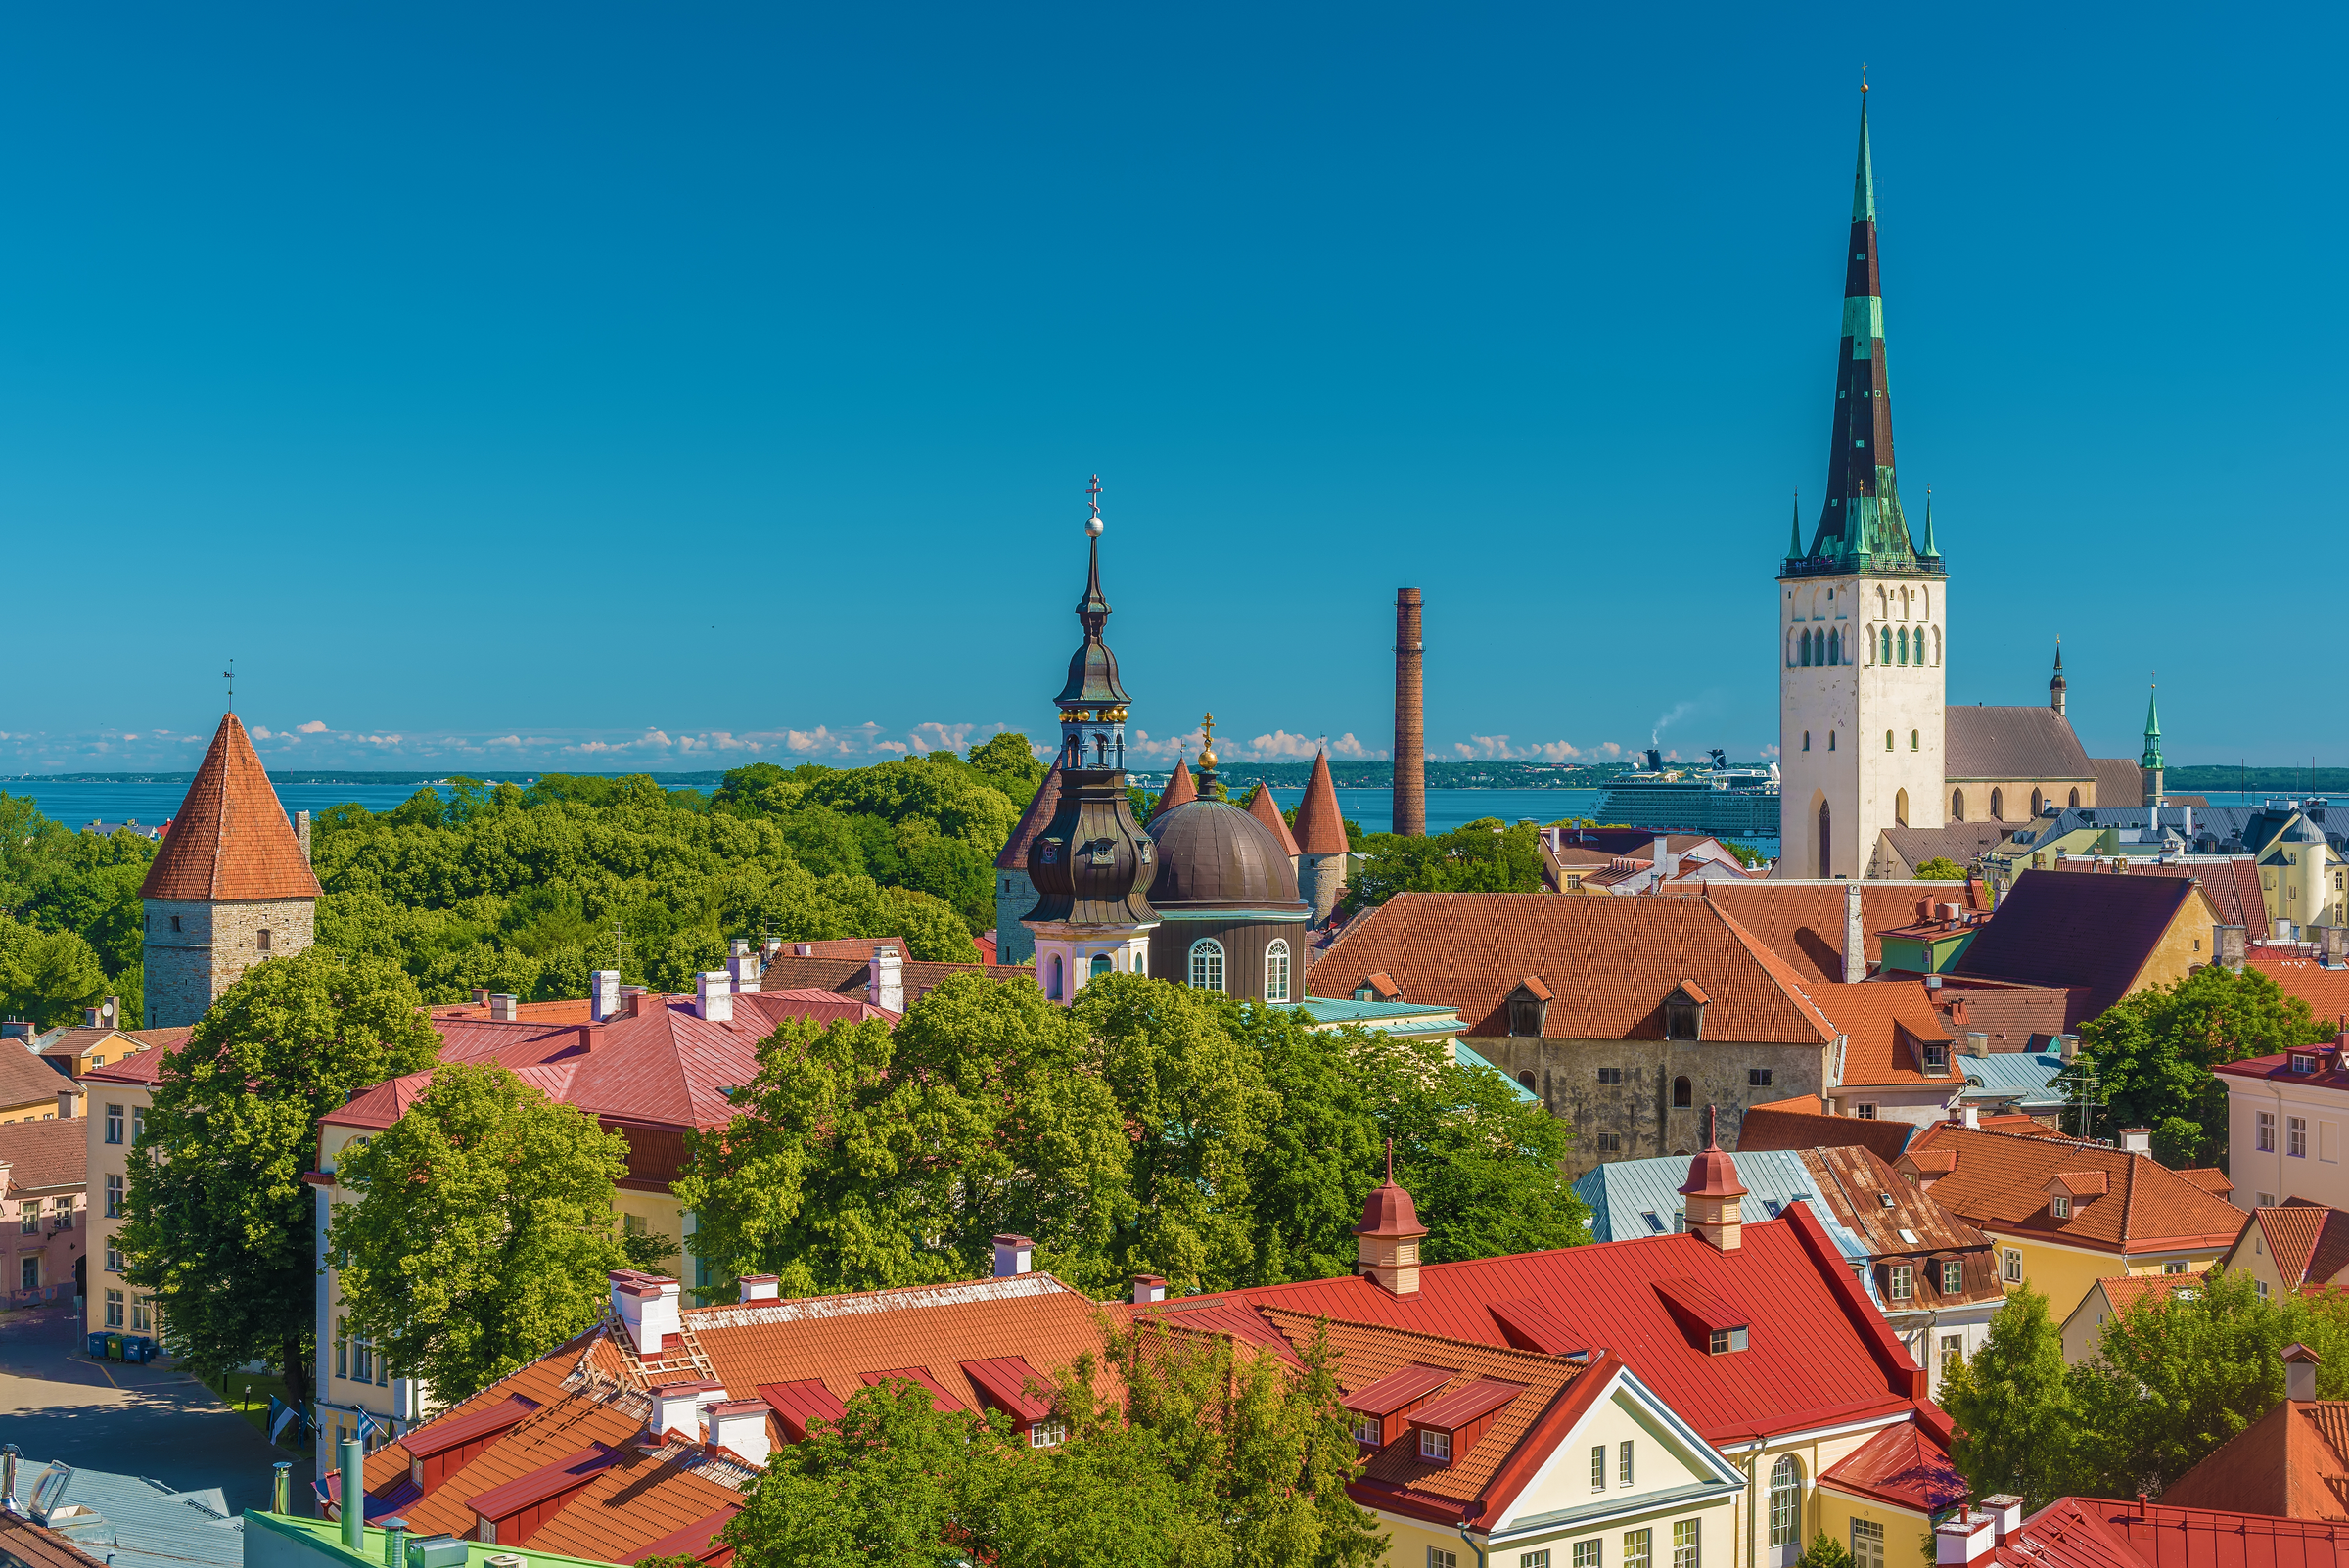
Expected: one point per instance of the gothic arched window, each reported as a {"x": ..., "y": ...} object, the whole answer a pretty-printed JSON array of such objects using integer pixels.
[
  {"x": 1936, "y": 645},
  {"x": 1834, "y": 647},
  {"x": 1804, "y": 637},
  {"x": 1884, "y": 655},
  {"x": 1786, "y": 1502},
  {"x": 1902, "y": 643},
  {"x": 1900, "y": 807},
  {"x": 1912, "y": 740},
  {"x": 2075, "y": 797},
  {"x": 1276, "y": 971},
  {"x": 1957, "y": 806},
  {"x": 1684, "y": 1094},
  {"x": 1052, "y": 985},
  {"x": 2037, "y": 804},
  {"x": 1998, "y": 806},
  {"x": 1888, "y": 740},
  {"x": 1206, "y": 964}
]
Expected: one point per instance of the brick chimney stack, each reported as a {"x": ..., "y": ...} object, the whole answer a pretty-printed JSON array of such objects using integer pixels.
[{"x": 1410, "y": 719}]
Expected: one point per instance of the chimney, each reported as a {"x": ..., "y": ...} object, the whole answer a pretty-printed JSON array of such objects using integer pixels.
[
  {"x": 678, "y": 1406},
  {"x": 481, "y": 996},
  {"x": 647, "y": 1306},
  {"x": 739, "y": 1426},
  {"x": 2336, "y": 941},
  {"x": 631, "y": 1002},
  {"x": 302, "y": 834},
  {"x": 1148, "y": 1288},
  {"x": 1855, "y": 940},
  {"x": 1970, "y": 1114},
  {"x": 743, "y": 967},
  {"x": 2227, "y": 945},
  {"x": 2136, "y": 1140},
  {"x": 2067, "y": 1046},
  {"x": 1410, "y": 719},
  {"x": 603, "y": 994},
  {"x": 2006, "y": 1511},
  {"x": 353, "y": 1508},
  {"x": 770, "y": 947},
  {"x": 65, "y": 1099},
  {"x": 761, "y": 1287},
  {"x": 503, "y": 1009},
  {"x": 1014, "y": 1254},
  {"x": 1968, "y": 1537},
  {"x": 89, "y": 1018},
  {"x": 885, "y": 981},
  {"x": 1663, "y": 858},
  {"x": 2300, "y": 1373},
  {"x": 109, "y": 1013},
  {"x": 714, "y": 996}
]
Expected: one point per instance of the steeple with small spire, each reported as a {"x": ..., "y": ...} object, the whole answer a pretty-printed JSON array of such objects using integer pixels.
[
  {"x": 1713, "y": 1189},
  {"x": 2149, "y": 762},
  {"x": 2058, "y": 686}
]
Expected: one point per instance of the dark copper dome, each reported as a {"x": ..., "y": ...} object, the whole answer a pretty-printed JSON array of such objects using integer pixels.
[{"x": 1213, "y": 852}]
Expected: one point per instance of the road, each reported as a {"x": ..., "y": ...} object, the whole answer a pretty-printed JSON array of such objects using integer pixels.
[{"x": 154, "y": 1421}]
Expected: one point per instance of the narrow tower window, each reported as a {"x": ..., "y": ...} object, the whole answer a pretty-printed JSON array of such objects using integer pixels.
[
  {"x": 1936, "y": 645},
  {"x": 1912, "y": 741},
  {"x": 1277, "y": 972},
  {"x": 1998, "y": 806},
  {"x": 1902, "y": 643},
  {"x": 1900, "y": 807},
  {"x": 1831, "y": 740},
  {"x": 1052, "y": 986},
  {"x": 1805, "y": 740},
  {"x": 1957, "y": 806},
  {"x": 1804, "y": 637},
  {"x": 1834, "y": 647},
  {"x": 1884, "y": 636}
]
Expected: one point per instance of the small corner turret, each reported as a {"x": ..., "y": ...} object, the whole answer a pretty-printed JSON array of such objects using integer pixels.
[
  {"x": 1387, "y": 1241},
  {"x": 1713, "y": 1190}
]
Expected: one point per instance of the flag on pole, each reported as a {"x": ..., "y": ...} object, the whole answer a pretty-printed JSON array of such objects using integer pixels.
[{"x": 281, "y": 1416}]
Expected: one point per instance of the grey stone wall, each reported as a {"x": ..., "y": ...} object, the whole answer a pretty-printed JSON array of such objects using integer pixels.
[
  {"x": 194, "y": 950},
  {"x": 1015, "y": 895},
  {"x": 1320, "y": 882},
  {"x": 1639, "y": 1109}
]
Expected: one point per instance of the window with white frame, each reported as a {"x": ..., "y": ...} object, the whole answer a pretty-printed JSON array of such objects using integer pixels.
[
  {"x": 2295, "y": 1136},
  {"x": 114, "y": 1197},
  {"x": 1865, "y": 1110},
  {"x": 114, "y": 1309},
  {"x": 1786, "y": 1502},
  {"x": 2267, "y": 1131},
  {"x": 1952, "y": 1278},
  {"x": 1685, "y": 1543},
  {"x": 1623, "y": 1462},
  {"x": 1868, "y": 1544},
  {"x": 1903, "y": 1281},
  {"x": 140, "y": 1320},
  {"x": 1366, "y": 1431},
  {"x": 29, "y": 1216},
  {"x": 1532, "y": 1559},
  {"x": 1639, "y": 1549},
  {"x": 1585, "y": 1553},
  {"x": 2060, "y": 1205},
  {"x": 1435, "y": 1445},
  {"x": 1048, "y": 1434},
  {"x": 2011, "y": 1265},
  {"x": 1598, "y": 1467},
  {"x": 1206, "y": 964},
  {"x": 1953, "y": 1352},
  {"x": 1276, "y": 971},
  {"x": 1438, "y": 1558},
  {"x": 114, "y": 1259},
  {"x": 114, "y": 1124}
]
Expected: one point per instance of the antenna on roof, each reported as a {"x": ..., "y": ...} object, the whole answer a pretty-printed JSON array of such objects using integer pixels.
[{"x": 230, "y": 676}]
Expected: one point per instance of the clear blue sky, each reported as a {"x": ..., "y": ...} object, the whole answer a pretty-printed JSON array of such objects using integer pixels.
[{"x": 502, "y": 383}]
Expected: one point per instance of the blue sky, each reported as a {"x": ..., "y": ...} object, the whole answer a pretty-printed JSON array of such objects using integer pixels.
[{"x": 613, "y": 387}]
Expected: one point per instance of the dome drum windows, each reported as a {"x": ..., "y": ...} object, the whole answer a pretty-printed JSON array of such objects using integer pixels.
[
  {"x": 1276, "y": 971},
  {"x": 1206, "y": 964}
]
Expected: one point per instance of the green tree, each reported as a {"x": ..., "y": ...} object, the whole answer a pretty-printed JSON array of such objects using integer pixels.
[
  {"x": 1008, "y": 763},
  {"x": 1824, "y": 1551},
  {"x": 48, "y": 976},
  {"x": 483, "y": 1230},
  {"x": 1484, "y": 856},
  {"x": 2175, "y": 1378},
  {"x": 2013, "y": 1407},
  {"x": 1941, "y": 868},
  {"x": 218, "y": 1221},
  {"x": 2152, "y": 1054}
]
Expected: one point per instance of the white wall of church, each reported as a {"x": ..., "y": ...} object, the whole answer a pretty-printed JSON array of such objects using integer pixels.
[{"x": 1861, "y": 691}]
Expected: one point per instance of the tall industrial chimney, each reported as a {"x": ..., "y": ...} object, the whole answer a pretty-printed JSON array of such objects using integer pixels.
[{"x": 1410, "y": 722}]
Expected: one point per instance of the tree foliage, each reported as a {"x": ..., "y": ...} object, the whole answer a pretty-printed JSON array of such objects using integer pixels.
[
  {"x": 2172, "y": 1379},
  {"x": 1941, "y": 868},
  {"x": 49, "y": 977},
  {"x": 483, "y": 1232},
  {"x": 1149, "y": 1129},
  {"x": 2152, "y": 1054},
  {"x": 1211, "y": 1460},
  {"x": 57, "y": 882},
  {"x": 1484, "y": 856},
  {"x": 218, "y": 1221}
]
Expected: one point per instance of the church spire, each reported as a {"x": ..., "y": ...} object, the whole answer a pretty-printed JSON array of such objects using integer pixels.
[
  {"x": 2151, "y": 759},
  {"x": 1091, "y": 702},
  {"x": 2058, "y": 686},
  {"x": 1861, "y": 525}
]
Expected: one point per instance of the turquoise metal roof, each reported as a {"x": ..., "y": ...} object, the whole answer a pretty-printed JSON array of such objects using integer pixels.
[
  {"x": 1623, "y": 1195},
  {"x": 1525, "y": 1096},
  {"x": 1408, "y": 1019},
  {"x": 2024, "y": 1077}
]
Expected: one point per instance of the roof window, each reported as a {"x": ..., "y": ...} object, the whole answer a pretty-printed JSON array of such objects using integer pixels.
[
  {"x": 1655, "y": 1222},
  {"x": 2303, "y": 1063}
]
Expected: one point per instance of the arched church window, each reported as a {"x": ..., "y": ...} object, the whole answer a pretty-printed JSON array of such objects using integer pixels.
[
  {"x": 1924, "y": 604},
  {"x": 1786, "y": 1502},
  {"x": 1998, "y": 806},
  {"x": 1102, "y": 965},
  {"x": 1900, "y": 807},
  {"x": 1888, "y": 740},
  {"x": 1881, "y": 611},
  {"x": 1901, "y": 642},
  {"x": 2075, "y": 797},
  {"x": 1206, "y": 964},
  {"x": 2037, "y": 805},
  {"x": 1884, "y": 637},
  {"x": 1052, "y": 985},
  {"x": 1793, "y": 657},
  {"x": 1834, "y": 647},
  {"x": 1912, "y": 740},
  {"x": 1937, "y": 646},
  {"x": 1805, "y": 638},
  {"x": 1826, "y": 841},
  {"x": 1957, "y": 806},
  {"x": 1684, "y": 1094},
  {"x": 1276, "y": 971}
]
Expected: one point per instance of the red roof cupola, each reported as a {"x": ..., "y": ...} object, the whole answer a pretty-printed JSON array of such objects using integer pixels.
[
  {"x": 1390, "y": 1231},
  {"x": 1713, "y": 1189}
]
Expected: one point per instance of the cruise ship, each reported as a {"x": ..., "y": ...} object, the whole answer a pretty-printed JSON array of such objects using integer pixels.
[{"x": 1732, "y": 803}]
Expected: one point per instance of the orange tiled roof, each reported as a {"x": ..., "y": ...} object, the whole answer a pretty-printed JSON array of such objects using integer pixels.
[
  {"x": 2309, "y": 1241},
  {"x": 1179, "y": 790},
  {"x": 2326, "y": 991},
  {"x": 1886, "y": 1024},
  {"x": 27, "y": 1080},
  {"x": 2231, "y": 885},
  {"x": 1321, "y": 826},
  {"x": 1611, "y": 963},
  {"x": 1265, "y": 810},
  {"x": 1802, "y": 922},
  {"x": 231, "y": 837},
  {"x": 1780, "y": 1126},
  {"x": 2001, "y": 1180},
  {"x": 55, "y": 1153}
]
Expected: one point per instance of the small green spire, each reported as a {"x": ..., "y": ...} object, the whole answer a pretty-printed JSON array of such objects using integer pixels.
[
  {"x": 1931, "y": 551},
  {"x": 2153, "y": 753},
  {"x": 1794, "y": 538},
  {"x": 1863, "y": 180}
]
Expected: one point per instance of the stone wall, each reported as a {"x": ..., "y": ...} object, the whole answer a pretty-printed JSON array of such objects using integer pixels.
[
  {"x": 1640, "y": 1110},
  {"x": 1320, "y": 882},
  {"x": 1015, "y": 895},
  {"x": 193, "y": 950}
]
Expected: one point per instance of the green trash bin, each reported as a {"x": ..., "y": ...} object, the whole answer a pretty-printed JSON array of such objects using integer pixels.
[{"x": 114, "y": 1347}]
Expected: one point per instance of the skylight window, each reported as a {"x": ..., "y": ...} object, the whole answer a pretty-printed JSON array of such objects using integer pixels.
[
  {"x": 1909, "y": 1235},
  {"x": 1655, "y": 1225},
  {"x": 1884, "y": 1199},
  {"x": 1772, "y": 1203}
]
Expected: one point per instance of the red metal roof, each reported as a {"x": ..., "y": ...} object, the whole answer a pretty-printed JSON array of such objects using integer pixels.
[
  {"x": 1006, "y": 1381},
  {"x": 573, "y": 1471},
  {"x": 1398, "y": 1389},
  {"x": 1463, "y": 1406},
  {"x": 800, "y": 1402},
  {"x": 1902, "y": 1466},
  {"x": 442, "y": 1436},
  {"x": 2099, "y": 1532}
]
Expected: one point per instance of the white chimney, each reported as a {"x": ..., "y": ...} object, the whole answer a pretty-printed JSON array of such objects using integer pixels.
[
  {"x": 647, "y": 1305},
  {"x": 738, "y": 946},
  {"x": 603, "y": 994},
  {"x": 2006, "y": 1511},
  {"x": 678, "y": 1406},
  {"x": 2300, "y": 1372},
  {"x": 1663, "y": 858},
  {"x": 714, "y": 996},
  {"x": 885, "y": 985},
  {"x": 64, "y": 1105},
  {"x": 1972, "y": 1115},
  {"x": 1148, "y": 1288},
  {"x": 742, "y": 967},
  {"x": 740, "y": 1426},
  {"x": 503, "y": 1009},
  {"x": 1968, "y": 1537},
  {"x": 1014, "y": 1254},
  {"x": 2136, "y": 1140},
  {"x": 761, "y": 1287},
  {"x": 1855, "y": 937},
  {"x": 771, "y": 947}
]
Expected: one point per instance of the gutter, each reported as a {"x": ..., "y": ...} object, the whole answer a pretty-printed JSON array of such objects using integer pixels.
[{"x": 1467, "y": 1513}]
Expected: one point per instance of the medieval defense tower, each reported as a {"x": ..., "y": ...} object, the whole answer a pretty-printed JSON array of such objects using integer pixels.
[{"x": 1863, "y": 614}]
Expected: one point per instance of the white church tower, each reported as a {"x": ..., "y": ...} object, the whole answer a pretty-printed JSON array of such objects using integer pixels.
[{"x": 1862, "y": 617}]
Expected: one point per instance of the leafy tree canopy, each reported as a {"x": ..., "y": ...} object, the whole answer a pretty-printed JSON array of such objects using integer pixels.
[
  {"x": 2152, "y": 1054},
  {"x": 56, "y": 880},
  {"x": 483, "y": 1232},
  {"x": 1149, "y": 1129},
  {"x": 219, "y": 1221},
  {"x": 1484, "y": 856},
  {"x": 48, "y": 977},
  {"x": 2013, "y": 1408},
  {"x": 1941, "y": 868}
]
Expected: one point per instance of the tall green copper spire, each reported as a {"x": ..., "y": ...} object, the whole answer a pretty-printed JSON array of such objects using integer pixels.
[
  {"x": 1863, "y": 178},
  {"x": 2152, "y": 756},
  {"x": 1929, "y": 551}
]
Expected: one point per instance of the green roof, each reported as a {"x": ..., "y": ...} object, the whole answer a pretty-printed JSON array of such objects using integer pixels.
[{"x": 281, "y": 1540}]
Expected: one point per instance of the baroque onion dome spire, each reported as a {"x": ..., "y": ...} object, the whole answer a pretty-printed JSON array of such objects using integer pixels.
[{"x": 1861, "y": 525}]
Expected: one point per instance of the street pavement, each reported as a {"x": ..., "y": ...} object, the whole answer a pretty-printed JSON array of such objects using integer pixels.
[{"x": 154, "y": 1421}]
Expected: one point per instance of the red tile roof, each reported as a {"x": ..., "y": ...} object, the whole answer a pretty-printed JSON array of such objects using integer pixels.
[
  {"x": 1034, "y": 820},
  {"x": 1817, "y": 1352},
  {"x": 231, "y": 837},
  {"x": 2013, "y": 1017},
  {"x": 2326, "y": 991},
  {"x": 788, "y": 975},
  {"x": 1179, "y": 789},
  {"x": 46, "y": 1154},
  {"x": 1902, "y": 1466},
  {"x": 2056, "y": 929},
  {"x": 859, "y": 948},
  {"x": 145, "y": 1065},
  {"x": 31, "y": 1545},
  {"x": 1610, "y": 961},
  {"x": 2290, "y": 1463},
  {"x": 2231, "y": 885},
  {"x": 1780, "y": 1127},
  {"x": 1886, "y": 1025},
  {"x": 1802, "y": 922},
  {"x": 2309, "y": 1241},
  {"x": 27, "y": 1080},
  {"x": 1321, "y": 826},
  {"x": 2001, "y": 1180},
  {"x": 2332, "y": 1071},
  {"x": 1265, "y": 810}
]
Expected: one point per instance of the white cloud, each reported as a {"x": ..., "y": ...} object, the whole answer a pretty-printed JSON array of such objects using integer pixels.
[
  {"x": 259, "y": 732},
  {"x": 316, "y": 726},
  {"x": 1610, "y": 748},
  {"x": 1346, "y": 745},
  {"x": 1282, "y": 746},
  {"x": 943, "y": 737}
]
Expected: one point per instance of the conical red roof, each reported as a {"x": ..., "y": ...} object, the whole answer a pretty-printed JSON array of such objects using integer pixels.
[
  {"x": 1390, "y": 1212},
  {"x": 1320, "y": 827},
  {"x": 1034, "y": 820},
  {"x": 1262, "y": 806},
  {"x": 231, "y": 839},
  {"x": 1179, "y": 789}
]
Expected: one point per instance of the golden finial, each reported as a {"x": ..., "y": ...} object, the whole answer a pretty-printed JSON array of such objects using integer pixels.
[{"x": 1207, "y": 741}]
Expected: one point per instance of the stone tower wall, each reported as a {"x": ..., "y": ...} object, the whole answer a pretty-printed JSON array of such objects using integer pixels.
[
  {"x": 1321, "y": 882},
  {"x": 1015, "y": 895},
  {"x": 188, "y": 965}
]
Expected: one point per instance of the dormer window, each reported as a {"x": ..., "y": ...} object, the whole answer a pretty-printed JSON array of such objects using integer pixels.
[
  {"x": 1937, "y": 1058},
  {"x": 2060, "y": 1205},
  {"x": 1366, "y": 1431},
  {"x": 1684, "y": 1012},
  {"x": 1725, "y": 1340},
  {"x": 1435, "y": 1446},
  {"x": 2303, "y": 1063},
  {"x": 1529, "y": 1008}
]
